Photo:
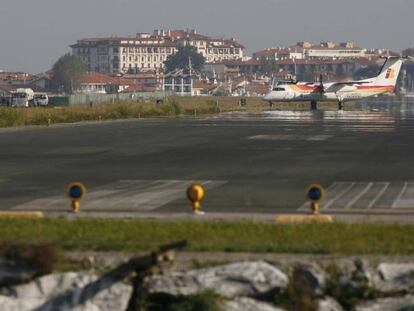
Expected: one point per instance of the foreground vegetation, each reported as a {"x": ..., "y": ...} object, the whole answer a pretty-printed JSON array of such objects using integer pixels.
[
  {"x": 145, "y": 235},
  {"x": 172, "y": 107}
]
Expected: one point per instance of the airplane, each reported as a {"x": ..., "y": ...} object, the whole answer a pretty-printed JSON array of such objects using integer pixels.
[{"x": 341, "y": 92}]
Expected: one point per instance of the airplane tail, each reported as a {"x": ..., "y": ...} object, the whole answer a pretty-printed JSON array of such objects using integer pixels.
[{"x": 389, "y": 72}]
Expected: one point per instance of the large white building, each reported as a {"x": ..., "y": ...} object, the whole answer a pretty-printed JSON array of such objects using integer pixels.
[
  {"x": 331, "y": 50},
  {"x": 124, "y": 54},
  {"x": 146, "y": 52}
]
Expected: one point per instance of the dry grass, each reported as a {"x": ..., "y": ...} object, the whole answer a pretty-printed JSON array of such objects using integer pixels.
[{"x": 172, "y": 107}]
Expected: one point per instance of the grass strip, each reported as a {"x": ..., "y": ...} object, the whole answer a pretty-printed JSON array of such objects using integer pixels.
[
  {"x": 144, "y": 235},
  {"x": 172, "y": 107}
]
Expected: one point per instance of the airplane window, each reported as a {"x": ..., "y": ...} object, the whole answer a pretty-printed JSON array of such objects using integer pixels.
[{"x": 279, "y": 89}]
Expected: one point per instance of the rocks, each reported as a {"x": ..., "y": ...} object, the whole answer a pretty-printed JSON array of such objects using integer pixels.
[
  {"x": 38, "y": 294},
  {"x": 12, "y": 272},
  {"x": 248, "y": 304},
  {"x": 405, "y": 303},
  {"x": 250, "y": 279},
  {"x": 311, "y": 277},
  {"x": 397, "y": 276},
  {"x": 329, "y": 304}
]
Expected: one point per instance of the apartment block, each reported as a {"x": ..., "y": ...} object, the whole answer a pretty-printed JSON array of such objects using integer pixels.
[{"x": 148, "y": 52}]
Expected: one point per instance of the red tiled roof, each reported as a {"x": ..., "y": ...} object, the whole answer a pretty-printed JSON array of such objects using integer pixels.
[
  {"x": 271, "y": 52},
  {"x": 133, "y": 88},
  {"x": 9, "y": 88},
  {"x": 313, "y": 61},
  {"x": 235, "y": 62},
  {"x": 257, "y": 88},
  {"x": 100, "y": 78}
]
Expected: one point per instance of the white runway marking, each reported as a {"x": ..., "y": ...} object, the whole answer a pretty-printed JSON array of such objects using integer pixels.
[
  {"x": 357, "y": 197},
  {"x": 290, "y": 137},
  {"x": 382, "y": 191},
  {"x": 364, "y": 196},
  {"x": 130, "y": 195}
]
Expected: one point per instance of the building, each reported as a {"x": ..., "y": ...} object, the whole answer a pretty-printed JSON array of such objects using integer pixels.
[
  {"x": 330, "y": 50},
  {"x": 148, "y": 52},
  {"x": 99, "y": 83},
  {"x": 114, "y": 55},
  {"x": 279, "y": 54},
  {"x": 179, "y": 83}
]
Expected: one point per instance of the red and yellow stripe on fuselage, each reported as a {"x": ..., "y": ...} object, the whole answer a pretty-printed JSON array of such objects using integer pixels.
[{"x": 311, "y": 92}]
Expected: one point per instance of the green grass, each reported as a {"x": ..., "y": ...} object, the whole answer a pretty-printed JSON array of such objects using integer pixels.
[
  {"x": 172, "y": 107},
  {"x": 145, "y": 235}
]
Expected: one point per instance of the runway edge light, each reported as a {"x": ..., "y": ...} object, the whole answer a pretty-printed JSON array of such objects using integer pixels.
[
  {"x": 76, "y": 191},
  {"x": 315, "y": 194},
  {"x": 195, "y": 193}
]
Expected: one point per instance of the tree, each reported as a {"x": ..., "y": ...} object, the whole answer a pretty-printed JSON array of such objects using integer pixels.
[
  {"x": 180, "y": 60},
  {"x": 367, "y": 72},
  {"x": 67, "y": 72}
]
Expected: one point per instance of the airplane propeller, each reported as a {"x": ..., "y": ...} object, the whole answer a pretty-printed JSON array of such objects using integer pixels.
[{"x": 321, "y": 88}]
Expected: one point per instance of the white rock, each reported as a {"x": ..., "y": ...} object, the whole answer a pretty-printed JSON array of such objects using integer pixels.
[
  {"x": 388, "y": 304},
  {"x": 398, "y": 273},
  {"x": 33, "y": 295},
  {"x": 329, "y": 304},
  {"x": 248, "y": 304},
  {"x": 238, "y": 279}
]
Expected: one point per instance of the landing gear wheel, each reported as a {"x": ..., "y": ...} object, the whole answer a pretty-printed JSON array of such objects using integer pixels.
[
  {"x": 340, "y": 106},
  {"x": 314, "y": 105}
]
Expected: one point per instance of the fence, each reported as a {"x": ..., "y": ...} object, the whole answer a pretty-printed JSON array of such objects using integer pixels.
[{"x": 79, "y": 99}]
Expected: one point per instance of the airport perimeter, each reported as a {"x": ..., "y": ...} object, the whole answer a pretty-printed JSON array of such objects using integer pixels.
[{"x": 252, "y": 165}]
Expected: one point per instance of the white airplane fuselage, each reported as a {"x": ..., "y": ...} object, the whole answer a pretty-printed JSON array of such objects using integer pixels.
[
  {"x": 306, "y": 92},
  {"x": 341, "y": 92}
]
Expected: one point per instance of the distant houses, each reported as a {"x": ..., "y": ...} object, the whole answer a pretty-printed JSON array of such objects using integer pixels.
[{"x": 119, "y": 65}]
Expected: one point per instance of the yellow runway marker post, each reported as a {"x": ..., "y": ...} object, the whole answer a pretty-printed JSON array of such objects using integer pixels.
[{"x": 195, "y": 193}]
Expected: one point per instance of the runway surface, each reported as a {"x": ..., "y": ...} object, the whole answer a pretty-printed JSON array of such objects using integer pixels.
[{"x": 248, "y": 163}]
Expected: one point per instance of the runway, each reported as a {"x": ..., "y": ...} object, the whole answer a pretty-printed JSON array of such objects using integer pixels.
[{"x": 248, "y": 162}]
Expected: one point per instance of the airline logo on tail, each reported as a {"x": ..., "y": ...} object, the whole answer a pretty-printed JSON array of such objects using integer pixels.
[{"x": 390, "y": 74}]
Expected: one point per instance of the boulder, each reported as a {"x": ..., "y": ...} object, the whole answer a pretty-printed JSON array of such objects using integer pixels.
[
  {"x": 12, "y": 272},
  {"x": 312, "y": 277},
  {"x": 249, "y": 279},
  {"x": 329, "y": 304},
  {"x": 248, "y": 304},
  {"x": 38, "y": 294},
  {"x": 396, "y": 276},
  {"x": 405, "y": 303}
]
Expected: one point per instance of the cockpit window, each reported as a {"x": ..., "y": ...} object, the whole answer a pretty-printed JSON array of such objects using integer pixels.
[{"x": 279, "y": 89}]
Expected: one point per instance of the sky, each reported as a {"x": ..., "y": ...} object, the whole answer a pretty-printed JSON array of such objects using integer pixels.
[{"x": 35, "y": 33}]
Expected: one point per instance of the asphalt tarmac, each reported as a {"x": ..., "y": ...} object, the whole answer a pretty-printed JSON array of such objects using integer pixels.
[{"x": 248, "y": 163}]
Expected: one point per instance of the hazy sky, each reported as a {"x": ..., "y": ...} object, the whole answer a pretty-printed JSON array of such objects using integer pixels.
[{"x": 34, "y": 33}]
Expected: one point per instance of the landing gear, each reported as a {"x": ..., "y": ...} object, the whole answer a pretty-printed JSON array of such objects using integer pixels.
[
  {"x": 314, "y": 105},
  {"x": 340, "y": 106}
]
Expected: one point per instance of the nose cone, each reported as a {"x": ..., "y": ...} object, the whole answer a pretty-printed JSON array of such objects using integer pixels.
[{"x": 267, "y": 97}]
